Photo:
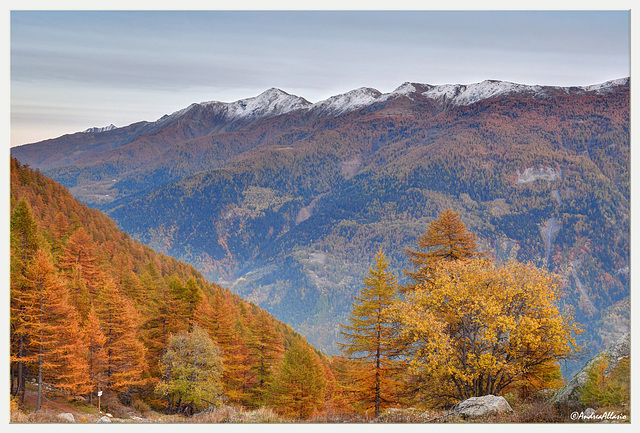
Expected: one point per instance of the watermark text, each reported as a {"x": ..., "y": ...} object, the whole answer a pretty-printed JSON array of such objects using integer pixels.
[{"x": 591, "y": 415}]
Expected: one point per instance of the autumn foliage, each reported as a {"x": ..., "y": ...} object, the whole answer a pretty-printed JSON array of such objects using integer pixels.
[
  {"x": 371, "y": 340},
  {"x": 92, "y": 310},
  {"x": 480, "y": 326},
  {"x": 468, "y": 325},
  {"x": 446, "y": 240}
]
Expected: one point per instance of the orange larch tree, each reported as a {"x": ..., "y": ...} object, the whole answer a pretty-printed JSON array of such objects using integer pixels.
[
  {"x": 79, "y": 264},
  {"x": 24, "y": 243},
  {"x": 96, "y": 353},
  {"x": 371, "y": 337},
  {"x": 446, "y": 239},
  {"x": 125, "y": 353},
  {"x": 266, "y": 349},
  {"x": 227, "y": 333},
  {"x": 298, "y": 388},
  {"x": 51, "y": 326}
]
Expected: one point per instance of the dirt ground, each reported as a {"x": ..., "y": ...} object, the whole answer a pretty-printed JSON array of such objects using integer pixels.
[{"x": 52, "y": 406}]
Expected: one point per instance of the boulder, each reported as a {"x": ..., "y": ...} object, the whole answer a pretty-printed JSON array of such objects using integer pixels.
[
  {"x": 480, "y": 406},
  {"x": 68, "y": 417},
  {"x": 104, "y": 420},
  {"x": 570, "y": 393}
]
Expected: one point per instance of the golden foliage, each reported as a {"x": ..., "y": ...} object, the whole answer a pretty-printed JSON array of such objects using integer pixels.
[
  {"x": 446, "y": 239},
  {"x": 479, "y": 326}
]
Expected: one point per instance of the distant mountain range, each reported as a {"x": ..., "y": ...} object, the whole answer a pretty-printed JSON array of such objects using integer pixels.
[{"x": 286, "y": 201}]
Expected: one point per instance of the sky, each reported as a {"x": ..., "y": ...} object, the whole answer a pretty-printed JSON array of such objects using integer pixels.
[{"x": 72, "y": 70}]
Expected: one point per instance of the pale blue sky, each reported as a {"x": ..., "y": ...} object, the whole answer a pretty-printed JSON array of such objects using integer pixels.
[{"x": 74, "y": 70}]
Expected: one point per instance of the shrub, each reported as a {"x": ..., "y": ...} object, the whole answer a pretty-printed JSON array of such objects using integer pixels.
[
  {"x": 141, "y": 406},
  {"x": 610, "y": 390}
]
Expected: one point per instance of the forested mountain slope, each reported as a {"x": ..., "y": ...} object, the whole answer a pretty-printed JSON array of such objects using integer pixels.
[
  {"x": 92, "y": 309},
  {"x": 288, "y": 206}
]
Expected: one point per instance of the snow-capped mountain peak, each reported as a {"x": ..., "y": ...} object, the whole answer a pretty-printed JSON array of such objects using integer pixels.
[
  {"x": 274, "y": 101},
  {"x": 271, "y": 102},
  {"x": 405, "y": 89},
  {"x": 606, "y": 86},
  {"x": 458, "y": 94},
  {"x": 100, "y": 129},
  {"x": 448, "y": 95},
  {"x": 346, "y": 102}
]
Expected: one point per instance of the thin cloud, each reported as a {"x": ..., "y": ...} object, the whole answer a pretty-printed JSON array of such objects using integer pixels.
[{"x": 90, "y": 56}]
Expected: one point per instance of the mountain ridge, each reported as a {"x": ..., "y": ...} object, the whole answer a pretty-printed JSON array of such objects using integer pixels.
[
  {"x": 200, "y": 120},
  {"x": 455, "y": 94}
]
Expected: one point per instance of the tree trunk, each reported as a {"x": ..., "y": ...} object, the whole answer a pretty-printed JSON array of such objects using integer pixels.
[
  {"x": 40, "y": 352},
  {"x": 20, "y": 385},
  {"x": 39, "y": 402},
  {"x": 377, "y": 414}
]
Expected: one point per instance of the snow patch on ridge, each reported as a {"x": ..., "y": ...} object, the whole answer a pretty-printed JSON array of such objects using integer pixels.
[
  {"x": 346, "y": 102},
  {"x": 102, "y": 129},
  {"x": 405, "y": 89},
  {"x": 469, "y": 94},
  {"x": 607, "y": 86},
  {"x": 269, "y": 103},
  {"x": 272, "y": 102}
]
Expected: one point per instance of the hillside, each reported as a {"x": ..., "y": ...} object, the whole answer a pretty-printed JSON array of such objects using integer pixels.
[
  {"x": 288, "y": 205},
  {"x": 116, "y": 304}
]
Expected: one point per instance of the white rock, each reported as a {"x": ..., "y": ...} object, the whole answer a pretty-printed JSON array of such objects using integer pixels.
[
  {"x": 104, "y": 420},
  {"x": 67, "y": 417},
  {"x": 485, "y": 405}
]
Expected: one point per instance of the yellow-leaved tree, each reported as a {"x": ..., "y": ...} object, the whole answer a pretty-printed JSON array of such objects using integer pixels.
[
  {"x": 298, "y": 388},
  {"x": 192, "y": 366},
  {"x": 479, "y": 326}
]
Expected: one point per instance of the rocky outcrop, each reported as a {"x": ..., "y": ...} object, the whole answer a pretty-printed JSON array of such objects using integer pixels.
[
  {"x": 570, "y": 393},
  {"x": 532, "y": 174},
  {"x": 480, "y": 406}
]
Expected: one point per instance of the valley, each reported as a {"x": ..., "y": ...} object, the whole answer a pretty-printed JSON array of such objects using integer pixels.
[{"x": 286, "y": 202}]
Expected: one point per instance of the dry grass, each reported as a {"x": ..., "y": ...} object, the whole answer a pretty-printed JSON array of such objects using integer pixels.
[
  {"x": 43, "y": 416},
  {"x": 141, "y": 406},
  {"x": 228, "y": 414},
  {"x": 335, "y": 417},
  {"x": 531, "y": 411}
]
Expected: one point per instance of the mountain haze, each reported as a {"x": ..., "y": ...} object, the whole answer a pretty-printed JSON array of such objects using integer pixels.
[{"x": 287, "y": 201}]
